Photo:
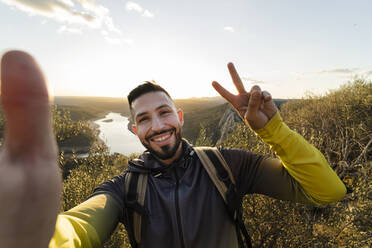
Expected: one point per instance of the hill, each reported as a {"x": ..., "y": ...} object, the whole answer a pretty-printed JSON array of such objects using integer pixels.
[
  {"x": 338, "y": 124},
  {"x": 200, "y": 112}
]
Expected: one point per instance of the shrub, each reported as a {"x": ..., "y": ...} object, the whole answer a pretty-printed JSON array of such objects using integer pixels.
[
  {"x": 87, "y": 174},
  {"x": 339, "y": 125},
  {"x": 69, "y": 132}
]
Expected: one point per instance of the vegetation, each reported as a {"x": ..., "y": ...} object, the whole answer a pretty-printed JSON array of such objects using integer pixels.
[
  {"x": 207, "y": 119},
  {"x": 95, "y": 105},
  {"x": 86, "y": 174},
  {"x": 78, "y": 113},
  {"x": 339, "y": 124},
  {"x": 72, "y": 135}
]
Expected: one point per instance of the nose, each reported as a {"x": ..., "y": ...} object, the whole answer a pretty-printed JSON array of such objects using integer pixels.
[{"x": 157, "y": 124}]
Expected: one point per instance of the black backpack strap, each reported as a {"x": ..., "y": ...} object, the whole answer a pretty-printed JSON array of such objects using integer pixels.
[
  {"x": 128, "y": 213},
  {"x": 135, "y": 192},
  {"x": 221, "y": 175}
]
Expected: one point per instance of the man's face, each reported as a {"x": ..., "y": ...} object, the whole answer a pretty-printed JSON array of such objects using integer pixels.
[{"x": 158, "y": 124}]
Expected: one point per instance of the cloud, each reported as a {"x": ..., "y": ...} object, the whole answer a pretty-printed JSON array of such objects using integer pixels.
[
  {"x": 340, "y": 71},
  {"x": 253, "y": 81},
  {"x": 132, "y": 6},
  {"x": 110, "y": 25},
  {"x": 118, "y": 40},
  {"x": 83, "y": 12},
  {"x": 229, "y": 29},
  {"x": 65, "y": 29},
  {"x": 68, "y": 2},
  {"x": 148, "y": 14},
  {"x": 348, "y": 72},
  {"x": 60, "y": 10}
]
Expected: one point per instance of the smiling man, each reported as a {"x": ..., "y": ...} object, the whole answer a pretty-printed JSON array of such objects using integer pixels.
[
  {"x": 158, "y": 123},
  {"x": 181, "y": 204},
  {"x": 182, "y": 207}
]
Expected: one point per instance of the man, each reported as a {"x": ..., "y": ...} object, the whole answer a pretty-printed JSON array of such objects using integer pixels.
[{"x": 184, "y": 209}]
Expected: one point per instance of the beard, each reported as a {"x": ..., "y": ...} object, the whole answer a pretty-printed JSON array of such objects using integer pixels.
[{"x": 167, "y": 151}]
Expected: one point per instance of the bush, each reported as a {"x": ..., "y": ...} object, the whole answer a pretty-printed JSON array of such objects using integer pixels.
[
  {"x": 69, "y": 132},
  {"x": 339, "y": 125},
  {"x": 86, "y": 175}
]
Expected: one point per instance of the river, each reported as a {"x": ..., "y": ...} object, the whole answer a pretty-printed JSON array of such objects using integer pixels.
[{"x": 116, "y": 135}]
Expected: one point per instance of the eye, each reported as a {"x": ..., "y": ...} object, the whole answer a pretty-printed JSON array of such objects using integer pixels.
[
  {"x": 163, "y": 112},
  {"x": 142, "y": 119}
]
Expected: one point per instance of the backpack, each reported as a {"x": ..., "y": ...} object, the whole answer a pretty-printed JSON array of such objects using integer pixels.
[{"x": 218, "y": 171}]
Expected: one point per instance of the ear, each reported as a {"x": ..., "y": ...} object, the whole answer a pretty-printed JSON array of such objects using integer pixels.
[
  {"x": 134, "y": 129},
  {"x": 180, "y": 116}
]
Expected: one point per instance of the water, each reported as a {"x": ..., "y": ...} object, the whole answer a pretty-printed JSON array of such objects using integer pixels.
[{"x": 117, "y": 136}]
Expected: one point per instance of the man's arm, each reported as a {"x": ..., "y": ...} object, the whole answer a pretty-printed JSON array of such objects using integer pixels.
[
  {"x": 301, "y": 174},
  {"x": 92, "y": 222},
  {"x": 306, "y": 166},
  {"x": 304, "y": 162},
  {"x": 87, "y": 225}
]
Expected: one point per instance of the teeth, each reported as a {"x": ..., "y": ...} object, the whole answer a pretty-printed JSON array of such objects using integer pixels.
[{"x": 161, "y": 138}]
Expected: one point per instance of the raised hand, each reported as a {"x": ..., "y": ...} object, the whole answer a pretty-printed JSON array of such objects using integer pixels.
[
  {"x": 29, "y": 175},
  {"x": 256, "y": 107}
]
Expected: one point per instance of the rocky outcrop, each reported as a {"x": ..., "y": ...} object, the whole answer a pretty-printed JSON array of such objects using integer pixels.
[
  {"x": 230, "y": 118},
  {"x": 227, "y": 123}
]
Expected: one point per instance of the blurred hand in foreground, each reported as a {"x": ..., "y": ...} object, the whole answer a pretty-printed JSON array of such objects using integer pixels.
[
  {"x": 29, "y": 176},
  {"x": 256, "y": 107}
]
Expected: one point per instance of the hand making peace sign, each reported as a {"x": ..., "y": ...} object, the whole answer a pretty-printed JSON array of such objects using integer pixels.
[{"x": 255, "y": 107}]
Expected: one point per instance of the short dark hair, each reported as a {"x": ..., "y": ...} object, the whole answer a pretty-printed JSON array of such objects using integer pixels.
[{"x": 146, "y": 87}]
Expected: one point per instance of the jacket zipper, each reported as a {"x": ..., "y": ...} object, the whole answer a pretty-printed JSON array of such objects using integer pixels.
[{"x": 178, "y": 211}]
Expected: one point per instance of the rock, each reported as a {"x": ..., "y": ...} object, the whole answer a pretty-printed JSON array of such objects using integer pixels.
[{"x": 227, "y": 123}]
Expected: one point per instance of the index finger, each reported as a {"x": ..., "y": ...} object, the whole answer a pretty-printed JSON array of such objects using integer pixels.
[
  {"x": 223, "y": 92},
  {"x": 235, "y": 77}
]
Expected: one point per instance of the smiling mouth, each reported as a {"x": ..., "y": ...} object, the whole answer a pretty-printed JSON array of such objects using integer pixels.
[{"x": 163, "y": 137}]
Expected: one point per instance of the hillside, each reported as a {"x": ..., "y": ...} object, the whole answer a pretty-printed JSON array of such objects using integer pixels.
[
  {"x": 96, "y": 106},
  {"x": 338, "y": 124},
  {"x": 196, "y": 110}
]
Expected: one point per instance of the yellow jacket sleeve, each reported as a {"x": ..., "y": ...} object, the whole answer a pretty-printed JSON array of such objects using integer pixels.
[
  {"x": 87, "y": 225},
  {"x": 304, "y": 162}
]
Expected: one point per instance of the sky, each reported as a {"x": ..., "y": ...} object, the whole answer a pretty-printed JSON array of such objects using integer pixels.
[{"x": 107, "y": 47}]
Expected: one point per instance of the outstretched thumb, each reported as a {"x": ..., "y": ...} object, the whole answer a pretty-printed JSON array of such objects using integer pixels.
[{"x": 24, "y": 95}]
